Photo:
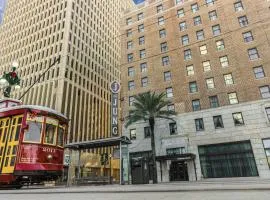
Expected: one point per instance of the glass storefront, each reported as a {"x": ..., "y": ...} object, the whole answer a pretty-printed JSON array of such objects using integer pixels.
[{"x": 227, "y": 160}]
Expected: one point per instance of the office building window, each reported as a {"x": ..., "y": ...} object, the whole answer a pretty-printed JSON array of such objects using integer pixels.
[
  {"x": 161, "y": 21},
  {"x": 163, "y": 47},
  {"x": 265, "y": 91},
  {"x": 199, "y": 124},
  {"x": 140, "y": 16},
  {"x": 169, "y": 92},
  {"x": 167, "y": 76},
  {"x": 131, "y": 100},
  {"x": 140, "y": 28},
  {"x": 209, "y": 2},
  {"x": 131, "y": 85},
  {"x": 130, "y": 57},
  {"x": 129, "y": 21},
  {"x": 165, "y": 60},
  {"x": 182, "y": 26},
  {"x": 220, "y": 45},
  {"x": 162, "y": 33},
  {"x": 144, "y": 81},
  {"x": 233, "y": 98},
  {"x": 238, "y": 119},
  {"x": 141, "y": 40},
  {"x": 193, "y": 87},
  {"x": 129, "y": 45},
  {"x": 238, "y": 6},
  {"x": 179, "y": 1},
  {"x": 197, "y": 20},
  {"x": 142, "y": 53},
  {"x": 212, "y": 15},
  {"x": 216, "y": 30},
  {"x": 213, "y": 100},
  {"x": 210, "y": 83},
  {"x": 196, "y": 105},
  {"x": 187, "y": 54},
  {"x": 132, "y": 134},
  {"x": 173, "y": 128},
  {"x": 203, "y": 49},
  {"x": 267, "y": 110},
  {"x": 248, "y": 37},
  {"x": 129, "y": 32},
  {"x": 228, "y": 79},
  {"x": 190, "y": 70},
  {"x": 259, "y": 72},
  {"x": 266, "y": 145},
  {"x": 194, "y": 7},
  {"x": 131, "y": 71},
  {"x": 185, "y": 40},
  {"x": 147, "y": 132},
  {"x": 253, "y": 54},
  {"x": 143, "y": 67},
  {"x": 243, "y": 21},
  {"x": 159, "y": 8},
  {"x": 218, "y": 123},
  {"x": 171, "y": 107},
  {"x": 180, "y": 12},
  {"x": 200, "y": 35},
  {"x": 206, "y": 66},
  {"x": 224, "y": 61},
  {"x": 176, "y": 151}
]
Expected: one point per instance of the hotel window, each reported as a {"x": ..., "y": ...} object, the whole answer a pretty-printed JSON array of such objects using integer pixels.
[
  {"x": 169, "y": 92},
  {"x": 161, "y": 21},
  {"x": 140, "y": 28},
  {"x": 190, "y": 70},
  {"x": 167, "y": 76},
  {"x": 199, "y": 124},
  {"x": 163, "y": 47},
  {"x": 203, "y": 49},
  {"x": 131, "y": 71},
  {"x": 259, "y": 72},
  {"x": 131, "y": 85},
  {"x": 220, "y": 45},
  {"x": 129, "y": 45},
  {"x": 193, "y": 87},
  {"x": 196, "y": 105},
  {"x": 147, "y": 132},
  {"x": 243, "y": 21},
  {"x": 173, "y": 128},
  {"x": 233, "y": 98},
  {"x": 200, "y": 35},
  {"x": 265, "y": 91},
  {"x": 129, "y": 32},
  {"x": 187, "y": 54},
  {"x": 165, "y": 60},
  {"x": 180, "y": 13},
  {"x": 162, "y": 33},
  {"x": 142, "y": 54},
  {"x": 129, "y": 21},
  {"x": 267, "y": 110},
  {"x": 175, "y": 151},
  {"x": 253, "y": 54},
  {"x": 132, "y": 134},
  {"x": 218, "y": 123},
  {"x": 213, "y": 100},
  {"x": 194, "y": 7},
  {"x": 131, "y": 100},
  {"x": 179, "y": 1},
  {"x": 224, "y": 61},
  {"x": 171, "y": 107},
  {"x": 130, "y": 57},
  {"x": 197, "y": 20},
  {"x": 209, "y": 2},
  {"x": 143, "y": 67},
  {"x": 185, "y": 40},
  {"x": 216, "y": 30},
  {"x": 206, "y": 66},
  {"x": 248, "y": 37},
  {"x": 228, "y": 79},
  {"x": 266, "y": 145},
  {"x": 141, "y": 40},
  {"x": 144, "y": 82},
  {"x": 212, "y": 15},
  {"x": 140, "y": 16},
  {"x": 210, "y": 83},
  {"x": 238, "y": 119},
  {"x": 159, "y": 8},
  {"x": 182, "y": 26},
  {"x": 238, "y": 6}
]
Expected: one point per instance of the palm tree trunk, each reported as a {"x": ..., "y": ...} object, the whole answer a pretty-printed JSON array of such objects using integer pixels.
[{"x": 153, "y": 146}]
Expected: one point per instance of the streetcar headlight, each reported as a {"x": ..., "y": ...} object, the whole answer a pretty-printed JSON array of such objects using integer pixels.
[{"x": 49, "y": 156}]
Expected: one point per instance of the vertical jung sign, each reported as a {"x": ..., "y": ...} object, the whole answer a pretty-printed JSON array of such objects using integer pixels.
[{"x": 115, "y": 88}]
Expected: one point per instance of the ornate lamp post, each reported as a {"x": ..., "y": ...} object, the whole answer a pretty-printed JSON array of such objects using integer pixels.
[{"x": 9, "y": 80}]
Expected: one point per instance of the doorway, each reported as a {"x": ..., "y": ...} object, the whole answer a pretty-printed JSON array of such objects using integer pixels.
[{"x": 178, "y": 171}]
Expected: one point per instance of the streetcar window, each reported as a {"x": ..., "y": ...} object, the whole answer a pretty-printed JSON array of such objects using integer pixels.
[
  {"x": 60, "y": 136},
  {"x": 50, "y": 134},
  {"x": 33, "y": 134}
]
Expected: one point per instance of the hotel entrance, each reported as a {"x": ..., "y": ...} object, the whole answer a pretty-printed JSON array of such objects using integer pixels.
[{"x": 178, "y": 171}]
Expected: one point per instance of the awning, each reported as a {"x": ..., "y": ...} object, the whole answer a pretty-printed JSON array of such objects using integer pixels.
[
  {"x": 175, "y": 157},
  {"x": 106, "y": 142}
]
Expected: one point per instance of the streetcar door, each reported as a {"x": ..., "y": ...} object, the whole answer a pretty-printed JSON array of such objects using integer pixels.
[
  {"x": 11, "y": 147},
  {"x": 4, "y": 126}
]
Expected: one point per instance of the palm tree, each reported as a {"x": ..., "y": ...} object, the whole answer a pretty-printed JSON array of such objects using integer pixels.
[{"x": 149, "y": 106}]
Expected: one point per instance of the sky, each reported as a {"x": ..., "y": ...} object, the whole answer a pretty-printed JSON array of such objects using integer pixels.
[
  {"x": 2, "y": 6},
  {"x": 138, "y": 1}
]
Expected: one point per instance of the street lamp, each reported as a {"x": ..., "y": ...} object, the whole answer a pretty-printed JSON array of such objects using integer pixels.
[{"x": 9, "y": 80}]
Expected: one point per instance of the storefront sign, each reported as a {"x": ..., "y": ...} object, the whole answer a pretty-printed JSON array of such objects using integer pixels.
[{"x": 115, "y": 88}]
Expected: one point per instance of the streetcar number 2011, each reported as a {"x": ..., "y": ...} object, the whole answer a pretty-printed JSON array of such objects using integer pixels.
[{"x": 49, "y": 150}]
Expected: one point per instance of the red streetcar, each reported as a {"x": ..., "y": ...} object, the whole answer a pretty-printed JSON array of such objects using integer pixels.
[{"x": 32, "y": 142}]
